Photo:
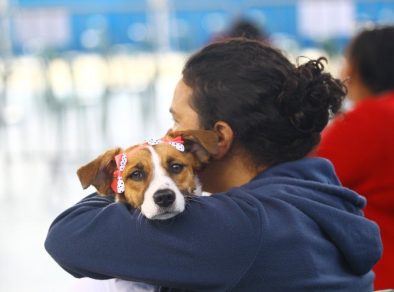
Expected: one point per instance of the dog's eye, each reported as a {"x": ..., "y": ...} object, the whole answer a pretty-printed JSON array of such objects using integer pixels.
[
  {"x": 137, "y": 175},
  {"x": 175, "y": 168}
]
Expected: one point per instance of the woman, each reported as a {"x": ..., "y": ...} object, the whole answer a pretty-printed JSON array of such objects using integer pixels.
[
  {"x": 277, "y": 221},
  {"x": 360, "y": 143}
]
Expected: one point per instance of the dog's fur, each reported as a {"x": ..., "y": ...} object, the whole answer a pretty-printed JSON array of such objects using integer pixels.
[{"x": 158, "y": 179}]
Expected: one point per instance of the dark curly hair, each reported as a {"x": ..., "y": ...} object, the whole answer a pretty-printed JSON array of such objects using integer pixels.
[
  {"x": 371, "y": 52},
  {"x": 275, "y": 109}
]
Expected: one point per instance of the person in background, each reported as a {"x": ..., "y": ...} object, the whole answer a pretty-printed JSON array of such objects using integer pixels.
[
  {"x": 360, "y": 143},
  {"x": 243, "y": 28},
  {"x": 276, "y": 221}
]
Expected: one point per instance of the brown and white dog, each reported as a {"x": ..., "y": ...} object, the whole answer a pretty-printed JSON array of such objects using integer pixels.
[{"x": 158, "y": 176}]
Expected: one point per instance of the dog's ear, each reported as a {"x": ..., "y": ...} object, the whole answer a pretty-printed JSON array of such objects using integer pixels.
[
  {"x": 202, "y": 143},
  {"x": 99, "y": 172}
]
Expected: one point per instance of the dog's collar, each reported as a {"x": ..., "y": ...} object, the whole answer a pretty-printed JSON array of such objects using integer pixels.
[{"x": 121, "y": 159}]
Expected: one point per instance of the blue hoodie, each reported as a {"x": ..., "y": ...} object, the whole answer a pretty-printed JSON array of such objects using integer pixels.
[{"x": 292, "y": 228}]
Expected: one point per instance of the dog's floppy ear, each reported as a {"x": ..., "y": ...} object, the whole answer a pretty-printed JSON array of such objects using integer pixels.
[
  {"x": 202, "y": 143},
  {"x": 99, "y": 172}
]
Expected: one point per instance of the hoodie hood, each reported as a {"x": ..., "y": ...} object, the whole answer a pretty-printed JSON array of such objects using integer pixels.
[{"x": 317, "y": 192}]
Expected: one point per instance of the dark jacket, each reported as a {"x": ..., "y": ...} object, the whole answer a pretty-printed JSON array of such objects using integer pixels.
[{"x": 292, "y": 228}]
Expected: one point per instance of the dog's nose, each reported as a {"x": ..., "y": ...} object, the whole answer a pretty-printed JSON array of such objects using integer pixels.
[{"x": 164, "y": 198}]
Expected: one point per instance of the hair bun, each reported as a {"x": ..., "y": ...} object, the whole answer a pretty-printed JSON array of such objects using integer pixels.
[{"x": 310, "y": 97}]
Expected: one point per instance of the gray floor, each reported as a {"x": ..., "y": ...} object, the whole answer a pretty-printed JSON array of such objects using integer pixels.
[{"x": 38, "y": 181}]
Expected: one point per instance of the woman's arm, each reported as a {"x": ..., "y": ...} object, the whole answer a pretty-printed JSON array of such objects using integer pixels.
[{"x": 210, "y": 245}]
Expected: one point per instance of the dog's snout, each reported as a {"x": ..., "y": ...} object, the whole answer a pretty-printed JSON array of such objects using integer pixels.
[{"x": 164, "y": 198}]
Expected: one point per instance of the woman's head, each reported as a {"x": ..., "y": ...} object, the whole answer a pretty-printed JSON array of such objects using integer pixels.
[
  {"x": 275, "y": 110},
  {"x": 370, "y": 61}
]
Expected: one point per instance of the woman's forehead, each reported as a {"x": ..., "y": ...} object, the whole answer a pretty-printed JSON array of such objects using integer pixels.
[
  {"x": 184, "y": 115},
  {"x": 181, "y": 97}
]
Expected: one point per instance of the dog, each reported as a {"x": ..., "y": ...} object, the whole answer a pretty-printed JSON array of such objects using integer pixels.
[{"x": 157, "y": 177}]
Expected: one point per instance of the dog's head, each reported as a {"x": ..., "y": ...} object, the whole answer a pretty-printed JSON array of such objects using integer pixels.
[{"x": 157, "y": 176}]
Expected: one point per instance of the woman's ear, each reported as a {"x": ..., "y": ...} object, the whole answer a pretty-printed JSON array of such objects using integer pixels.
[
  {"x": 207, "y": 144},
  {"x": 202, "y": 143},
  {"x": 225, "y": 138}
]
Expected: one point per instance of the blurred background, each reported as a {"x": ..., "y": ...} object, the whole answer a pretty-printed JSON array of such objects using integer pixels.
[{"x": 78, "y": 77}]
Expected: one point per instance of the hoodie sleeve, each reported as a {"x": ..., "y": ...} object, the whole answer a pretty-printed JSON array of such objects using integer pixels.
[{"x": 209, "y": 246}]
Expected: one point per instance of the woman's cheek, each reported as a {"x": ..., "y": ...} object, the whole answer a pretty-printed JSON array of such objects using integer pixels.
[{"x": 175, "y": 126}]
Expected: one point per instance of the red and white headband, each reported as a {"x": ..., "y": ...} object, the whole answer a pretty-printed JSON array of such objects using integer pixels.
[{"x": 121, "y": 159}]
